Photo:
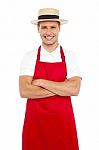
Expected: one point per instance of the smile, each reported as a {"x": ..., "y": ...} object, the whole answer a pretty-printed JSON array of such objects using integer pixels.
[{"x": 49, "y": 37}]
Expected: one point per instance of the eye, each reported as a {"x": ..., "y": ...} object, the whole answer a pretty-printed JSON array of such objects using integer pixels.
[
  {"x": 43, "y": 27},
  {"x": 53, "y": 27}
]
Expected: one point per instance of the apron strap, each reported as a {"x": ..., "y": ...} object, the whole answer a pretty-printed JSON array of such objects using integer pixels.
[
  {"x": 61, "y": 52},
  {"x": 38, "y": 54}
]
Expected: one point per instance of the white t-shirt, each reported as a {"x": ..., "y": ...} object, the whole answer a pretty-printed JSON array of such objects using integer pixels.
[{"x": 29, "y": 61}]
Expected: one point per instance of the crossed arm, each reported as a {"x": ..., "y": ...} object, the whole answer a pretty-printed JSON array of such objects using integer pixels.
[{"x": 41, "y": 88}]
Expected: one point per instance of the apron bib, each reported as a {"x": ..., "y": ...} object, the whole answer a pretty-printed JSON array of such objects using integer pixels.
[{"x": 49, "y": 122}]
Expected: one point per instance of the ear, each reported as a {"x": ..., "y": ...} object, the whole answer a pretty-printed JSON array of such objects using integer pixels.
[
  {"x": 59, "y": 27},
  {"x": 38, "y": 28}
]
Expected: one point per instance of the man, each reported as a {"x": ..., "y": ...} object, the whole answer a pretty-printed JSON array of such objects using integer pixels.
[{"x": 49, "y": 77}]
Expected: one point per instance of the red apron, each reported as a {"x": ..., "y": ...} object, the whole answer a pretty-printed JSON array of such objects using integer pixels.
[{"x": 49, "y": 122}]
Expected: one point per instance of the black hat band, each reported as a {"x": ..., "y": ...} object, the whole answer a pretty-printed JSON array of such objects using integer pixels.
[{"x": 48, "y": 17}]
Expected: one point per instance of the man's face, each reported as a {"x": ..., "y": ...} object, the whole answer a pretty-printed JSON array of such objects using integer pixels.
[{"x": 49, "y": 31}]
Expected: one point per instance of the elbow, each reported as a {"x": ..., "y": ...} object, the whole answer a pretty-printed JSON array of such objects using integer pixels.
[
  {"x": 75, "y": 92},
  {"x": 22, "y": 93},
  {"x": 22, "y": 96}
]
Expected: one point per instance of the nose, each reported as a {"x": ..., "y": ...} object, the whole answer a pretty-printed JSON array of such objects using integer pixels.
[{"x": 48, "y": 31}]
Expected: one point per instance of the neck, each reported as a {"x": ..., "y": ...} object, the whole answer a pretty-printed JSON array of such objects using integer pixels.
[{"x": 50, "y": 48}]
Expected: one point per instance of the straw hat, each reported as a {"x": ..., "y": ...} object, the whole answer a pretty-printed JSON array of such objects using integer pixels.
[{"x": 49, "y": 14}]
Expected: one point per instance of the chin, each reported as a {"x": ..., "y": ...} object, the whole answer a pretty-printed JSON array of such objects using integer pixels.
[{"x": 50, "y": 42}]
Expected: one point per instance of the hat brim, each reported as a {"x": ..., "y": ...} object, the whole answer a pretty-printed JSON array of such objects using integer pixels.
[{"x": 62, "y": 21}]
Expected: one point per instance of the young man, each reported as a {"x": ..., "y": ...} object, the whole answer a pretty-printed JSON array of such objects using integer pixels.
[{"x": 49, "y": 77}]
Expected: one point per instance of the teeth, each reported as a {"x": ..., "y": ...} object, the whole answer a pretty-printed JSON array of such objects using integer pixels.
[{"x": 49, "y": 38}]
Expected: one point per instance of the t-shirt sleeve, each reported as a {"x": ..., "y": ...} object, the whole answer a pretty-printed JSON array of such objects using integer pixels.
[
  {"x": 73, "y": 68},
  {"x": 27, "y": 66}
]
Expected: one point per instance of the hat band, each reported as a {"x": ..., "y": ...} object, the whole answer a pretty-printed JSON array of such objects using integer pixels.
[{"x": 48, "y": 17}]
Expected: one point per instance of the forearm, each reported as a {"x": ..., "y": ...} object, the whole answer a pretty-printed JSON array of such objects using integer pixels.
[
  {"x": 28, "y": 90},
  {"x": 65, "y": 88},
  {"x": 59, "y": 88},
  {"x": 35, "y": 92}
]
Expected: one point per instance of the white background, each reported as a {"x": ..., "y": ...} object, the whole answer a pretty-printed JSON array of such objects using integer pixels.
[{"x": 18, "y": 35}]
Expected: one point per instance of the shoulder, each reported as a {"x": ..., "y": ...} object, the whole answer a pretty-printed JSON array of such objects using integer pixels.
[
  {"x": 31, "y": 55},
  {"x": 72, "y": 63},
  {"x": 69, "y": 53},
  {"x": 28, "y": 63},
  {"x": 70, "y": 57}
]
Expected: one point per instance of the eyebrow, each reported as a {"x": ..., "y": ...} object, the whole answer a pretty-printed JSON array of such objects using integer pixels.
[{"x": 52, "y": 26}]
